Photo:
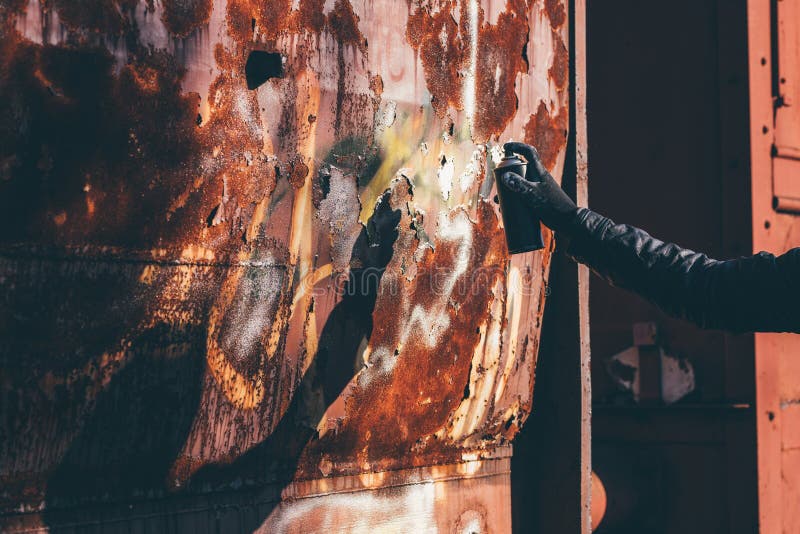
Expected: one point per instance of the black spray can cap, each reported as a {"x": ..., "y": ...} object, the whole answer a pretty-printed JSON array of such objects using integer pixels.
[{"x": 509, "y": 161}]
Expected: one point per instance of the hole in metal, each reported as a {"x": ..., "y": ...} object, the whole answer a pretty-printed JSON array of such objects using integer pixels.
[{"x": 261, "y": 66}]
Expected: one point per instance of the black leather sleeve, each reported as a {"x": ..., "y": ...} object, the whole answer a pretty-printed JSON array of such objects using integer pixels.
[{"x": 753, "y": 294}]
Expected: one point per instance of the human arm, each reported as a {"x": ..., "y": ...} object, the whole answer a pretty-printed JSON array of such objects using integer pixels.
[{"x": 755, "y": 293}]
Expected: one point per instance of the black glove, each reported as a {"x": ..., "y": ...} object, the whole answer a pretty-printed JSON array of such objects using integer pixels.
[{"x": 540, "y": 191}]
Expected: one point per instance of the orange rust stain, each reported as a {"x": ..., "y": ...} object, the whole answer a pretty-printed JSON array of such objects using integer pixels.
[
  {"x": 500, "y": 59},
  {"x": 182, "y": 17},
  {"x": 556, "y": 12},
  {"x": 268, "y": 17},
  {"x": 559, "y": 70},
  {"x": 310, "y": 16},
  {"x": 295, "y": 170},
  {"x": 443, "y": 47},
  {"x": 376, "y": 90},
  {"x": 146, "y": 77},
  {"x": 376, "y": 85},
  {"x": 248, "y": 19},
  {"x": 440, "y": 44},
  {"x": 343, "y": 25},
  {"x": 548, "y": 134}
]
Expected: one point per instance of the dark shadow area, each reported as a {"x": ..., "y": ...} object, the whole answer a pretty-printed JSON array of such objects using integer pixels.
[
  {"x": 135, "y": 431},
  {"x": 545, "y": 468},
  {"x": 667, "y": 92},
  {"x": 136, "y": 428}
]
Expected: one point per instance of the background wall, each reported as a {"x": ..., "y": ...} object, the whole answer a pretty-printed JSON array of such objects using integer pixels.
[{"x": 668, "y": 137}]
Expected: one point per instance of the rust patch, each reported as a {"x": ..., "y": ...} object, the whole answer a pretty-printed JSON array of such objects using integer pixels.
[
  {"x": 421, "y": 347},
  {"x": 182, "y": 17},
  {"x": 108, "y": 16},
  {"x": 548, "y": 134},
  {"x": 77, "y": 128},
  {"x": 294, "y": 170},
  {"x": 555, "y": 12},
  {"x": 11, "y": 7},
  {"x": 438, "y": 40},
  {"x": 443, "y": 47},
  {"x": 265, "y": 19},
  {"x": 310, "y": 16},
  {"x": 349, "y": 122},
  {"x": 559, "y": 70},
  {"x": 343, "y": 25},
  {"x": 376, "y": 86},
  {"x": 501, "y": 49}
]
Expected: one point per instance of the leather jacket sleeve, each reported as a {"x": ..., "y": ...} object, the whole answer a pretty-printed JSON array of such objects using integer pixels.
[{"x": 759, "y": 293}]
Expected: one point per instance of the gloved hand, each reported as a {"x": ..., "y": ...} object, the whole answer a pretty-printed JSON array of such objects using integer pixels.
[{"x": 540, "y": 191}]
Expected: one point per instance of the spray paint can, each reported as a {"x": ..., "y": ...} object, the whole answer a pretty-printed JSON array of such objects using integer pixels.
[{"x": 522, "y": 226}]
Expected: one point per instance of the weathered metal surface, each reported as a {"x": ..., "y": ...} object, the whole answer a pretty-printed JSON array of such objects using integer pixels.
[{"x": 206, "y": 286}]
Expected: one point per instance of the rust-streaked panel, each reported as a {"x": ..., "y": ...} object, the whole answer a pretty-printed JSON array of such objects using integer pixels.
[{"x": 206, "y": 286}]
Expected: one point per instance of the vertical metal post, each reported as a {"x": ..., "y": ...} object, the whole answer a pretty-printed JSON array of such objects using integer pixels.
[
  {"x": 579, "y": 127},
  {"x": 767, "y": 346}
]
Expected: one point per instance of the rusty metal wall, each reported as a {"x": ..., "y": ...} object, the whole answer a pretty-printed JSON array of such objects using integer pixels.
[{"x": 207, "y": 287}]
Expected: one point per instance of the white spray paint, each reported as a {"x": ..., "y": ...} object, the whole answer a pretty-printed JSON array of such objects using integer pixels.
[
  {"x": 394, "y": 510},
  {"x": 445, "y": 174},
  {"x": 429, "y": 323},
  {"x": 251, "y": 312},
  {"x": 471, "y": 171},
  {"x": 496, "y": 154}
]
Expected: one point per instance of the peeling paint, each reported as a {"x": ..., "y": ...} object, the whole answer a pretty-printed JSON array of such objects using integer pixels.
[
  {"x": 548, "y": 133},
  {"x": 452, "y": 41},
  {"x": 340, "y": 209},
  {"x": 445, "y": 176}
]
